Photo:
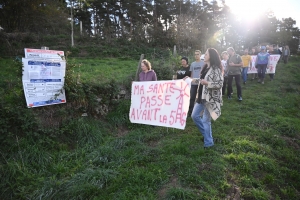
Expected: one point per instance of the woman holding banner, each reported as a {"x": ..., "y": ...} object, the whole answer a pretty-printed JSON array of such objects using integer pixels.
[
  {"x": 209, "y": 95},
  {"x": 147, "y": 74}
]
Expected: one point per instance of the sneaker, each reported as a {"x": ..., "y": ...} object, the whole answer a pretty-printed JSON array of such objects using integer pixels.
[
  {"x": 229, "y": 97},
  {"x": 240, "y": 98},
  {"x": 258, "y": 81},
  {"x": 262, "y": 82},
  {"x": 244, "y": 82}
]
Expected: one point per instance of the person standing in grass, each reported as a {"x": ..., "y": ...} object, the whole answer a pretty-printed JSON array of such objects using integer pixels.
[
  {"x": 184, "y": 69},
  {"x": 224, "y": 56},
  {"x": 253, "y": 53},
  {"x": 286, "y": 54},
  {"x": 195, "y": 69},
  {"x": 234, "y": 64},
  {"x": 246, "y": 58},
  {"x": 209, "y": 98},
  {"x": 262, "y": 61},
  {"x": 147, "y": 74}
]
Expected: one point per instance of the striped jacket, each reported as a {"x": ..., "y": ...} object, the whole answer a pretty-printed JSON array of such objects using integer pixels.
[{"x": 212, "y": 93}]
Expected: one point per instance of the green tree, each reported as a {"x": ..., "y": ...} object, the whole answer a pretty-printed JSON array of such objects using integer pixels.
[
  {"x": 288, "y": 34},
  {"x": 36, "y": 16}
]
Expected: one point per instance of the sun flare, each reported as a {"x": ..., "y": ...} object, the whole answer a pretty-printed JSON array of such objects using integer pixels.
[{"x": 244, "y": 9}]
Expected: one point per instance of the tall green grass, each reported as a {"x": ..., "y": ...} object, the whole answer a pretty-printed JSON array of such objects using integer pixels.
[{"x": 256, "y": 152}]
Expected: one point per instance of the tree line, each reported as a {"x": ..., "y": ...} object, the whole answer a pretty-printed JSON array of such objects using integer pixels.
[{"x": 189, "y": 24}]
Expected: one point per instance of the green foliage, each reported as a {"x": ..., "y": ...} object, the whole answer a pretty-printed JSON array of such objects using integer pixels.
[
  {"x": 119, "y": 116},
  {"x": 52, "y": 16},
  {"x": 129, "y": 29},
  {"x": 181, "y": 193},
  {"x": 87, "y": 95},
  {"x": 163, "y": 71},
  {"x": 166, "y": 66},
  {"x": 255, "y": 154},
  {"x": 13, "y": 117}
]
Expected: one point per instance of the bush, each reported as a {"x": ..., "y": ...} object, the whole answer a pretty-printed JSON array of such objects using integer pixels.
[{"x": 164, "y": 72}]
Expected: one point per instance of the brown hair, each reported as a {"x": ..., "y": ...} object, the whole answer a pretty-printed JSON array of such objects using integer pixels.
[
  {"x": 147, "y": 63},
  {"x": 214, "y": 59}
]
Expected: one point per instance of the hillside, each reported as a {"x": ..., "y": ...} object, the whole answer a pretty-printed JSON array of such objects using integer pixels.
[{"x": 256, "y": 152}]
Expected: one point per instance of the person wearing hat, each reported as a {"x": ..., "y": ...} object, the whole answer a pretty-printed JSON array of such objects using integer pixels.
[
  {"x": 262, "y": 61},
  {"x": 184, "y": 70}
]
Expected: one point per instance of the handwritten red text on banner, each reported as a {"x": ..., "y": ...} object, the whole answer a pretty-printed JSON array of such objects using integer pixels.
[{"x": 160, "y": 103}]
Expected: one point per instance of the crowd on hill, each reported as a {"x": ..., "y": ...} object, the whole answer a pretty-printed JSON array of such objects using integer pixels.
[{"x": 212, "y": 74}]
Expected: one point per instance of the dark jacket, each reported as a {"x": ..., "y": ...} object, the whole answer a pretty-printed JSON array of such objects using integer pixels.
[{"x": 148, "y": 76}]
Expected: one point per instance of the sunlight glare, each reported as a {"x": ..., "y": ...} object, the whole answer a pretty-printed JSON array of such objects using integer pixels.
[{"x": 252, "y": 9}]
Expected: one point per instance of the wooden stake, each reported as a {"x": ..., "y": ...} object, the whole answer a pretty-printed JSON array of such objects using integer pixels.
[{"x": 138, "y": 68}]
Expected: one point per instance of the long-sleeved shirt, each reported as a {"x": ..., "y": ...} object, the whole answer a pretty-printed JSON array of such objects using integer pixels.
[
  {"x": 262, "y": 58},
  {"x": 148, "y": 76}
]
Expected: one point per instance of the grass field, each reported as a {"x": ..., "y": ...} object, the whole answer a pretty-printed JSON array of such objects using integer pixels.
[
  {"x": 256, "y": 153},
  {"x": 102, "y": 70}
]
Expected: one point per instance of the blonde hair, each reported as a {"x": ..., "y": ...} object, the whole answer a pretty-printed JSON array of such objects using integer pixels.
[
  {"x": 224, "y": 52},
  {"x": 147, "y": 63},
  {"x": 198, "y": 51}
]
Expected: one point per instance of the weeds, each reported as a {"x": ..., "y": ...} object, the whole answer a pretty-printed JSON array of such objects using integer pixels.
[{"x": 256, "y": 153}]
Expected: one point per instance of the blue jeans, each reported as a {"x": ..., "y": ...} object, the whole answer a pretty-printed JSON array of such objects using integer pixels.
[
  {"x": 244, "y": 73},
  {"x": 202, "y": 119},
  {"x": 261, "y": 70}
]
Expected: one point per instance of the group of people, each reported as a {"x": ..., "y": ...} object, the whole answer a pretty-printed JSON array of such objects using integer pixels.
[
  {"x": 206, "y": 90},
  {"x": 236, "y": 66},
  {"x": 209, "y": 79}
]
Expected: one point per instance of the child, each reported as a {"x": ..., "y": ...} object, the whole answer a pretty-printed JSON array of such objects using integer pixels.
[
  {"x": 246, "y": 61},
  {"x": 224, "y": 56}
]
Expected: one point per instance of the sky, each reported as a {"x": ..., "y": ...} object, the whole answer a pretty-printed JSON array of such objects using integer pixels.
[{"x": 281, "y": 8}]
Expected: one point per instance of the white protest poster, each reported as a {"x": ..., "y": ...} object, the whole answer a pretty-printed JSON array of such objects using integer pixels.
[
  {"x": 160, "y": 103},
  {"x": 252, "y": 69},
  {"x": 41, "y": 53},
  {"x": 272, "y": 64},
  {"x": 43, "y": 82}
]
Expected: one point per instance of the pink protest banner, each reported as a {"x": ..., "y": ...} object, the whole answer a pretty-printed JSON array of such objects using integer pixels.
[
  {"x": 272, "y": 64},
  {"x": 160, "y": 103}
]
